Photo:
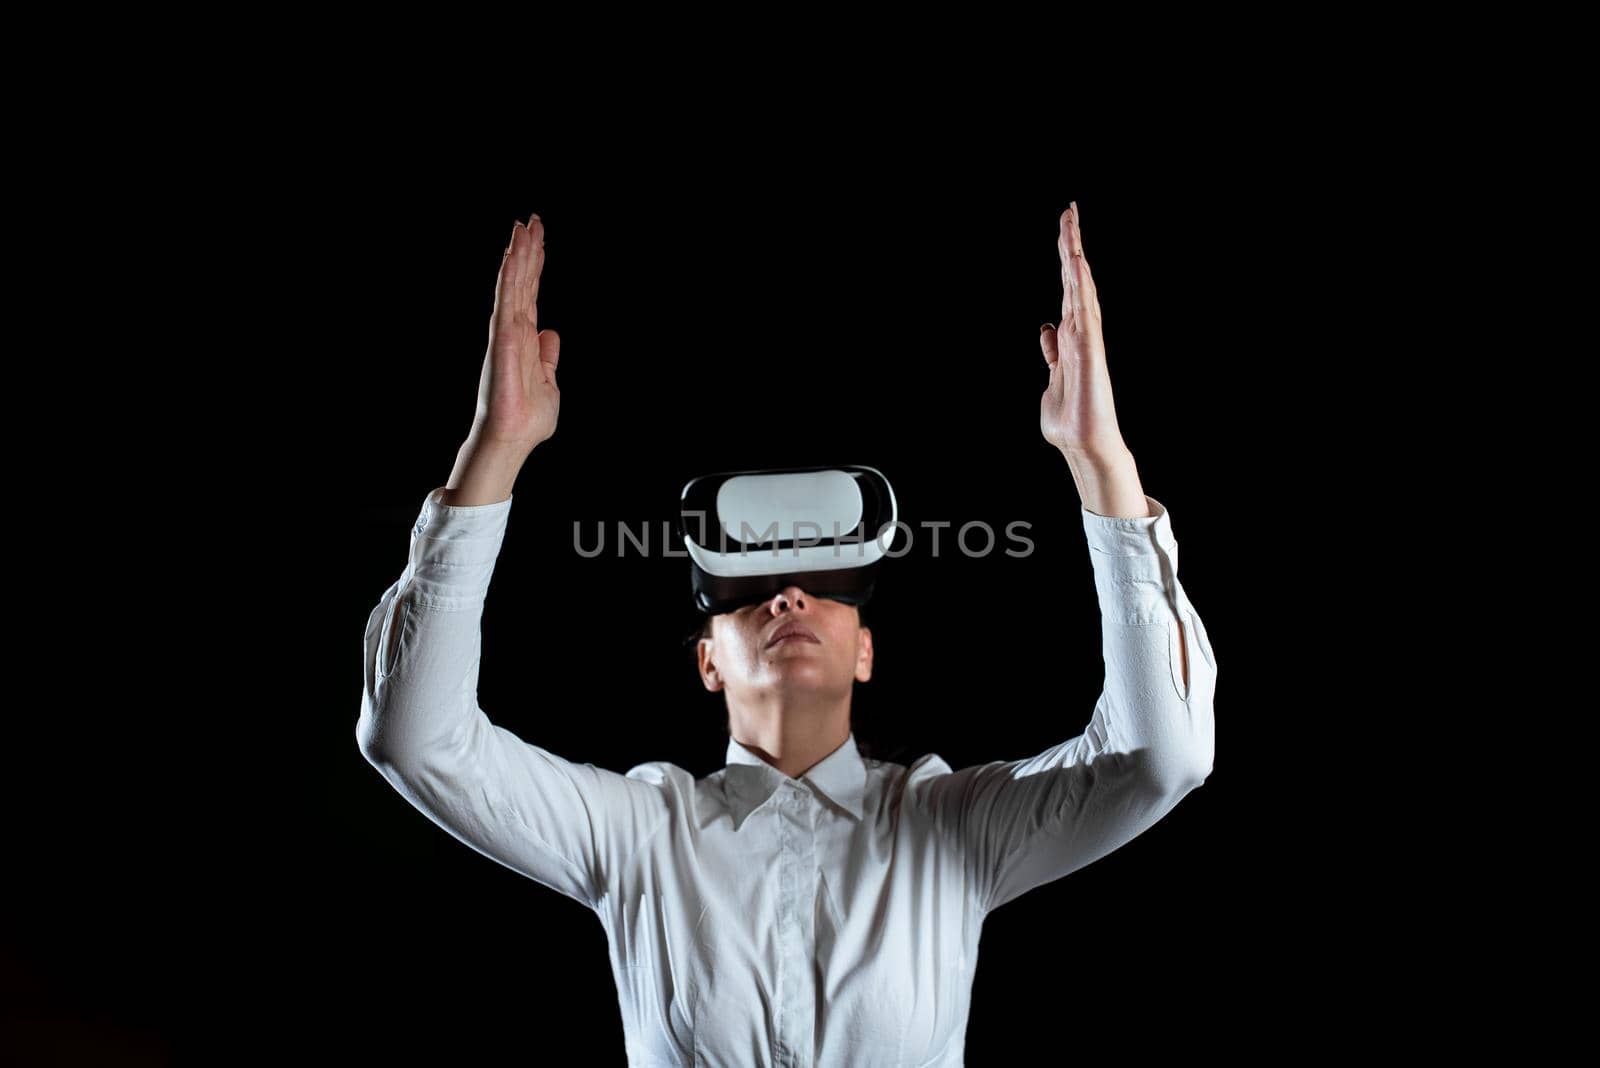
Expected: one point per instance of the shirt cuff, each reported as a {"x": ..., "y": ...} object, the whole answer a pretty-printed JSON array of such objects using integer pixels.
[
  {"x": 1136, "y": 536},
  {"x": 1135, "y": 564},
  {"x": 453, "y": 551}
]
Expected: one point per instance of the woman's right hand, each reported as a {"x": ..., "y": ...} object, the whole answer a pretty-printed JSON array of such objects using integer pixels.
[{"x": 518, "y": 401}]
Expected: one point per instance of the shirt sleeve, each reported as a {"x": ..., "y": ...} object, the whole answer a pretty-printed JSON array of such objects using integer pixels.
[
  {"x": 1149, "y": 741},
  {"x": 566, "y": 825}
]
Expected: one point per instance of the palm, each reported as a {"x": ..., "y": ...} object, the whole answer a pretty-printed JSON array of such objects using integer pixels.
[
  {"x": 518, "y": 400},
  {"x": 1076, "y": 412}
]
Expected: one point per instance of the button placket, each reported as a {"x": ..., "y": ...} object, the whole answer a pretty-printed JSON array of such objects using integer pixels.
[
  {"x": 796, "y": 870},
  {"x": 802, "y": 888},
  {"x": 785, "y": 935}
]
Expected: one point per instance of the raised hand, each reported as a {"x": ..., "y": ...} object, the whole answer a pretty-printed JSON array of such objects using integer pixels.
[
  {"x": 518, "y": 401},
  {"x": 1076, "y": 414}
]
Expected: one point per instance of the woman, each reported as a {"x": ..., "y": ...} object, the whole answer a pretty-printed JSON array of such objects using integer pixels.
[{"x": 805, "y": 904}]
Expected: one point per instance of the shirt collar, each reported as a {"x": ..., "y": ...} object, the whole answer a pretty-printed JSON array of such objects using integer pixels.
[{"x": 749, "y": 781}]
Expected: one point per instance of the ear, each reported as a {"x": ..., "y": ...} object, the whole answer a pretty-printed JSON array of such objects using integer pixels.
[
  {"x": 864, "y": 655},
  {"x": 708, "y": 668}
]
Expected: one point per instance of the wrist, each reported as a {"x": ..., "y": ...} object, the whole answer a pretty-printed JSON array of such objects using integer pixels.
[
  {"x": 484, "y": 473},
  {"x": 1108, "y": 482},
  {"x": 1104, "y": 457},
  {"x": 503, "y": 453}
]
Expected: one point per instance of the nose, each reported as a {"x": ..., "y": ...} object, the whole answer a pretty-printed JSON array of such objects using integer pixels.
[{"x": 788, "y": 599}]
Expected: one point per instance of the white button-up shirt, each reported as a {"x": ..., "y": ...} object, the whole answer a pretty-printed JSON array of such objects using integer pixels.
[{"x": 758, "y": 919}]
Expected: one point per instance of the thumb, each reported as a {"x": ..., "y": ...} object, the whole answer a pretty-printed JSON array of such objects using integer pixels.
[
  {"x": 550, "y": 349},
  {"x": 1047, "y": 342}
]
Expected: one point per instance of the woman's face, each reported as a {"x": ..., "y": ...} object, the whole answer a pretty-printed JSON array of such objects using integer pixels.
[{"x": 751, "y": 648}]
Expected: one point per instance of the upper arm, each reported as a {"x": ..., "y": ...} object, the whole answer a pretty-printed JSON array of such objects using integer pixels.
[
  {"x": 1021, "y": 823},
  {"x": 1149, "y": 742},
  {"x": 567, "y": 825}
]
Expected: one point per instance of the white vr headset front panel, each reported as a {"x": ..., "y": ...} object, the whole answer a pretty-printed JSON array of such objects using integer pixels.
[
  {"x": 795, "y": 506},
  {"x": 760, "y": 502},
  {"x": 756, "y": 562}
]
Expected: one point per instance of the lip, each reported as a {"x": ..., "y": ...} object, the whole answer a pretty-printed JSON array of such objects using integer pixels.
[{"x": 795, "y": 631}]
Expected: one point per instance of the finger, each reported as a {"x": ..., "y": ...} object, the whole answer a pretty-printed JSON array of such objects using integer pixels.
[
  {"x": 1075, "y": 249},
  {"x": 535, "y": 232},
  {"x": 527, "y": 248},
  {"x": 1071, "y": 297},
  {"x": 1080, "y": 297},
  {"x": 1089, "y": 295},
  {"x": 1047, "y": 342},
  {"x": 505, "y": 282}
]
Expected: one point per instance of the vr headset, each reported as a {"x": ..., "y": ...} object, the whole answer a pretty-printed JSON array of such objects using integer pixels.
[{"x": 749, "y": 534}]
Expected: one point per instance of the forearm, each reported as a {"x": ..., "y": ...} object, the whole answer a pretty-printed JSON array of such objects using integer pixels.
[
  {"x": 423, "y": 638},
  {"x": 553, "y": 820},
  {"x": 1108, "y": 482},
  {"x": 484, "y": 473},
  {"x": 1160, "y": 675},
  {"x": 1150, "y": 739}
]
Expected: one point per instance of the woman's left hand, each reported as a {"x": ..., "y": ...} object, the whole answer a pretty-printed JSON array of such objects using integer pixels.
[{"x": 1076, "y": 414}]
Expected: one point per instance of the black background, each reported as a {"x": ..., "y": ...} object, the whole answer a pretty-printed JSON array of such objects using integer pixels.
[{"x": 246, "y": 882}]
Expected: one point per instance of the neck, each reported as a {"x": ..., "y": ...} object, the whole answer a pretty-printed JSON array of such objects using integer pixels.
[{"x": 791, "y": 742}]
